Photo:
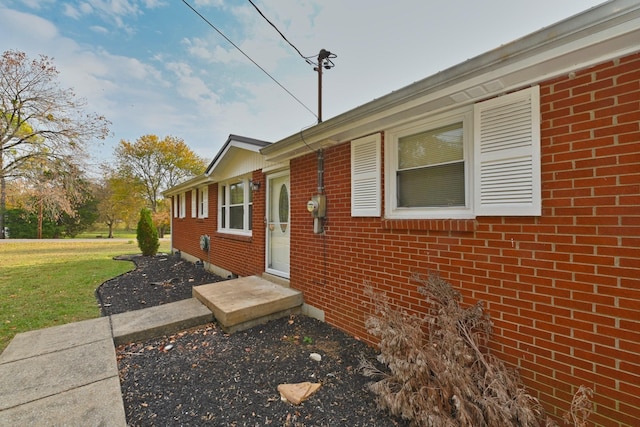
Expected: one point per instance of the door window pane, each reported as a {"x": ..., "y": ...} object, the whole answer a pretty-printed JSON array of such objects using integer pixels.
[{"x": 283, "y": 208}]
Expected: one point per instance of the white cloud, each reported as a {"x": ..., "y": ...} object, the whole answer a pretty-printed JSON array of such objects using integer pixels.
[
  {"x": 206, "y": 3},
  {"x": 115, "y": 7},
  {"x": 13, "y": 23},
  {"x": 199, "y": 48},
  {"x": 99, "y": 29},
  {"x": 152, "y": 4},
  {"x": 71, "y": 11},
  {"x": 194, "y": 89},
  {"x": 37, "y": 4},
  {"x": 86, "y": 8}
]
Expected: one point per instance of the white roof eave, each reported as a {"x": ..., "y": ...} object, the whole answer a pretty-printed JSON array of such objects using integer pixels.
[{"x": 195, "y": 182}]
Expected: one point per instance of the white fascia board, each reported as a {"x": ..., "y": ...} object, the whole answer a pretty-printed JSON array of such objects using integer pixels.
[
  {"x": 190, "y": 184},
  {"x": 227, "y": 151}
]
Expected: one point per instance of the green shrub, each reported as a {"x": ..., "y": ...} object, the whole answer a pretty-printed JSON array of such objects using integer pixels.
[{"x": 147, "y": 234}]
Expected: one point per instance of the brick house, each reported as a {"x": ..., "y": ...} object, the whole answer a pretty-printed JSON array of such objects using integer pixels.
[{"x": 534, "y": 149}]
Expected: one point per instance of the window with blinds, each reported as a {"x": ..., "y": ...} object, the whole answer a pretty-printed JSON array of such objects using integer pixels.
[
  {"x": 430, "y": 169},
  {"x": 482, "y": 159}
]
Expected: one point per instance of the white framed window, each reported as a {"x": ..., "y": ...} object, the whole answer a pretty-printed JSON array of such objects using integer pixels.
[
  {"x": 183, "y": 205},
  {"x": 481, "y": 160},
  {"x": 194, "y": 203},
  {"x": 429, "y": 166},
  {"x": 203, "y": 202},
  {"x": 235, "y": 206}
]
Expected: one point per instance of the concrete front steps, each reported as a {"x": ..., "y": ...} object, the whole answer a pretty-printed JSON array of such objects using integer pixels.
[{"x": 242, "y": 303}]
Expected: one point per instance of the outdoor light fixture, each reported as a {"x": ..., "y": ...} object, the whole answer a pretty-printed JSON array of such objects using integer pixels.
[{"x": 254, "y": 185}]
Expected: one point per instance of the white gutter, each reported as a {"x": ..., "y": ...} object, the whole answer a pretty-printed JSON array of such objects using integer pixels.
[{"x": 186, "y": 185}]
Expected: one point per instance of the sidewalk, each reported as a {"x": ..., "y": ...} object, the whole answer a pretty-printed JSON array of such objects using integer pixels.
[{"x": 68, "y": 375}]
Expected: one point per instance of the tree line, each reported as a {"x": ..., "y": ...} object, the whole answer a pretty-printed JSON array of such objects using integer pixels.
[{"x": 46, "y": 188}]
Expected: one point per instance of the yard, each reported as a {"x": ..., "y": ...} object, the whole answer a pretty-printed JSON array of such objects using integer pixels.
[{"x": 51, "y": 282}]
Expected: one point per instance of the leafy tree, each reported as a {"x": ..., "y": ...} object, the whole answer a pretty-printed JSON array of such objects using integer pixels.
[
  {"x": 162, "y": 217},
  {"x": 39, "y": 121},
  {"x": 24, "y": 225},
  {"x": 51, "y": 189},
  {"x": 86, "y": 214},
  {"x": 147, "y": 234},
  {"x": 158, "y": 164},
  {"x": 119, "y": 199}
]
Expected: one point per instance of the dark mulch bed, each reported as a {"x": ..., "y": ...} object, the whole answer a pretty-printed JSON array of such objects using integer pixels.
[
  {"x": 210, "y": 378},
  {"x": 155, "y": 280}
]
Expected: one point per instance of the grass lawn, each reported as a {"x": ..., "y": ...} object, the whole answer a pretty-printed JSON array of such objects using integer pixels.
[
  {"x": 103, "y": 232},
  {"x": 118, "y": 232},
  {"x": 52, "y": 282}
]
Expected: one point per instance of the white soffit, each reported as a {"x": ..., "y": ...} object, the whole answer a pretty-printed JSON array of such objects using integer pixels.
[
  {"x": 236, "y": 162},
  {"x": 300, "y": 150}
]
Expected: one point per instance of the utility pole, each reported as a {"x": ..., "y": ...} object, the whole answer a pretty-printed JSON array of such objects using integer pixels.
[{"x": 324, "y": 61}]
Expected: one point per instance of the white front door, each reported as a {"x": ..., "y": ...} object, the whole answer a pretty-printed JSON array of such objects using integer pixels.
[{"x": 278, "y": 227}]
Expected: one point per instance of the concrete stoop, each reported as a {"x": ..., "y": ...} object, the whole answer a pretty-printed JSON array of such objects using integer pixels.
[{"x": 242, "y": 303}]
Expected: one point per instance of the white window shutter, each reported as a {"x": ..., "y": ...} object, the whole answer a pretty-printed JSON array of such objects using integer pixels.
[
  {"x": 366, "y": 191},
  {"x": 205, "y": 202},
  {"x": 194, "y": 203},
  {"x": 507, "y": 155},
  {"x": 176, "y": 204},
  {"x": 183, "y": 205}
]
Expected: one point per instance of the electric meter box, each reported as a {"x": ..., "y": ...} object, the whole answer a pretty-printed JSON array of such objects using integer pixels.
[{"x": 318, "y": 206}]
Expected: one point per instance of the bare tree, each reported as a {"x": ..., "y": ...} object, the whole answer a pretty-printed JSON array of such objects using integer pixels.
[{"x": 39, "y": 121}]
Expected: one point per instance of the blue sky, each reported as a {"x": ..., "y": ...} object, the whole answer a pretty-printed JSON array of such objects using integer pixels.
[{"x": 155, "y": 67}]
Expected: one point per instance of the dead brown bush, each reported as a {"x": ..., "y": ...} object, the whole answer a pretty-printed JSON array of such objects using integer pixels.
[
  {"x": 581, "y": 407},
  {"x": 440, "y": 372}
]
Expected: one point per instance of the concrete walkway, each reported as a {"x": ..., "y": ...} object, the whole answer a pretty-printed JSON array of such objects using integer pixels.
[{"x": 68, "y": 375}]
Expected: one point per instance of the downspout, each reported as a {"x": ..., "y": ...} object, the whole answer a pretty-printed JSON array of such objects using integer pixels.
[{"x": 321, "y": 171}]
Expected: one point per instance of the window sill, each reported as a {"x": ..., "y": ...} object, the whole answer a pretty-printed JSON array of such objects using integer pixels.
[
  {"x": 231, "y": 236},
  {"x": 462, "y": 225}
]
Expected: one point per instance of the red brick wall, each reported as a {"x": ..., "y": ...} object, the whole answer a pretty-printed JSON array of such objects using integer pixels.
[
  {"x": 241, "y": 255},
  {"x": 563, "y": 289}
]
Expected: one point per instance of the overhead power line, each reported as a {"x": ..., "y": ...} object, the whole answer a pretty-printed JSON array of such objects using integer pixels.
[
  {"x": 306, "y": 58},
  {"x": 324, "y": 60},
  {"x": 248, "y": 57}
]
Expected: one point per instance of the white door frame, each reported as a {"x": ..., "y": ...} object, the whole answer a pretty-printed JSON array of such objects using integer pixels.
[{"x": 275, "y": 224}]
